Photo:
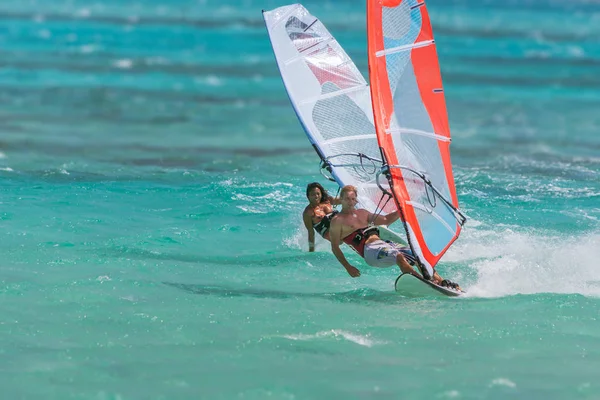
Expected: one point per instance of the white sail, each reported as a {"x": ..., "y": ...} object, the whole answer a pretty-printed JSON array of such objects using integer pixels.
[{"x": 331, "y": 98}]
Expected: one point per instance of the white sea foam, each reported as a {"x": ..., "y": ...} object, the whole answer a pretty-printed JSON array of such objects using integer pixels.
[
  {"x": 83, "y": 13},
  {"x": 244, "y": 185},
  {"x": 225, "y": 10},
  {"x": 87, "y": 49},
  {"x": 451, "y": 394},
  {"x": 503, "y": 382},
  {"x": 123, "y": 64},
  {"x": 509, "y": 262},
  {"x": 251, "y": 59},
  {"x": 538, "y": 54},
  {"x": 252, "y": 210},
  {"x": 294, "y": 241},
  {"x": 157, "y": 61},
  {"x": 576, "y": 51},
  {"x": 45, "y": 34},
  {"x": 299, "y": 239},
  {"x": 506, "y": 261},
  {"x": 275, "y": 195},
  {"x": 214, "y": 80},
  {"x": 363, "y": 340}
]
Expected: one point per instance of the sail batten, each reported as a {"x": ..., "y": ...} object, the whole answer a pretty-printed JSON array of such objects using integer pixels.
[
  {"x": 407, "y": 47},
  {"x": 420, "y": 133},
  {"x": 334, "y": 94},
  {"x": 351, "y": 138}
]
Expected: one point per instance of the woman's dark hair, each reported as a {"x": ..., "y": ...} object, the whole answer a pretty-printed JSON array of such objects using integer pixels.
[{"x": 324, "y": 195}]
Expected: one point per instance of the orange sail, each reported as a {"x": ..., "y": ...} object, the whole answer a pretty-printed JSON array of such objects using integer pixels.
[{"x": 412, "y": 124}]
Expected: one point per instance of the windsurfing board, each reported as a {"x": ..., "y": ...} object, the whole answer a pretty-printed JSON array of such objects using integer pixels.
[{"x": 410, "y": 285}]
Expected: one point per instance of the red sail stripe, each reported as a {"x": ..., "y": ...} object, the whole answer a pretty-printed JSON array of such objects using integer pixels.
[{"x": 428, "y": 77}]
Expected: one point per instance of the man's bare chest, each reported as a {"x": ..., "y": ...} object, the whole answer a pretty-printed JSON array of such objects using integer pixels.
[{"x": 352, "y": 222}]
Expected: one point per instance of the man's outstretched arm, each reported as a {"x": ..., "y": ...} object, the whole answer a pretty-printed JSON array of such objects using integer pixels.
[
  {"x": 335, "y": 236},
  {"x": 386, "y": 219}
]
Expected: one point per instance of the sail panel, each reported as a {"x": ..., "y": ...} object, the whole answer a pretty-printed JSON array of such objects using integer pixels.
[
  {"x": 331, "y": 98},
  {"x": 408, "y": 96}
]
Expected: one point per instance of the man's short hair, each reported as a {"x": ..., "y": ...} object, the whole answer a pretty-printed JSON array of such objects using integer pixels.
[{"x": 348, "y": 189}]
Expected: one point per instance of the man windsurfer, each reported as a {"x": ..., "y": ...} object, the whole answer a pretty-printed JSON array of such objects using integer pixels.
[{"x": 352, "y": 226}]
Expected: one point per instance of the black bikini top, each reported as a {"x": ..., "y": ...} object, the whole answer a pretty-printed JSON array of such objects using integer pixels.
[{"x": 323, "y": 225}]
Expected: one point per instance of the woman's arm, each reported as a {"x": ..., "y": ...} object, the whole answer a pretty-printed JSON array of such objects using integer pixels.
[
  {"x": 335, "y": 200},
  {"x": 311, "y": 232}
]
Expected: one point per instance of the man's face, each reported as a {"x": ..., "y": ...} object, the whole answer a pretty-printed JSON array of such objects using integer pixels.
[{"x": 349, "y": 199}]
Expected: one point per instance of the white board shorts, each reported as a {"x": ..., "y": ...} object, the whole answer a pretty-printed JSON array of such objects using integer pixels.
[{"x": 382, "y": 254}]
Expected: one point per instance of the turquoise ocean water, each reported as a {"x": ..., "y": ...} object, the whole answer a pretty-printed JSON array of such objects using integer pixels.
[{"x": 152, "y": 179}]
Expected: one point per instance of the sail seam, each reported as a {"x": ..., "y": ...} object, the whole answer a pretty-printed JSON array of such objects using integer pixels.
[{"x": 334, "y": 94}]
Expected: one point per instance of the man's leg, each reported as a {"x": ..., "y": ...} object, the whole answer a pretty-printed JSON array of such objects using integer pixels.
[{"x": 404, "y": 265}]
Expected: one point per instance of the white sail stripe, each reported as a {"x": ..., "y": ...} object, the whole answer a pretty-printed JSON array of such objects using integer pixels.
[
  {"x": 433, "y": 214},
  {"x": 321, "y": 45},
  {"x": 420, "y": 133},
  {"x": 398, "y": 49},
  {"x": 334, "y": 94},
  {"x": 350, "y": 138}
]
